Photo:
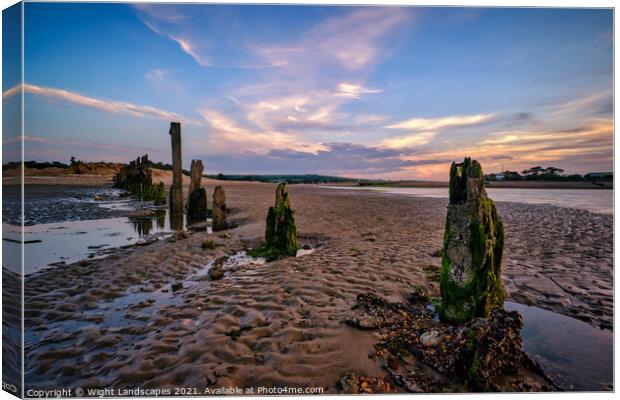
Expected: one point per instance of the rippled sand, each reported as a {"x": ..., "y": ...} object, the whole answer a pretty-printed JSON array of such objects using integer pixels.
[{"x": 281, "y": 323}]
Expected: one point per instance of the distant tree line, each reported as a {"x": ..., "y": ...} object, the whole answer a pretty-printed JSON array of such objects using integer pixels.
[
  {"x": 281, "y": 178},
  {"x": 539, "y": 173},
  {"x": 34, "y": 164}
]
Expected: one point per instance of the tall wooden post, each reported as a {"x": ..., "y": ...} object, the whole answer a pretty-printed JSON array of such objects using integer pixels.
[{"x": 176, "y": 190}]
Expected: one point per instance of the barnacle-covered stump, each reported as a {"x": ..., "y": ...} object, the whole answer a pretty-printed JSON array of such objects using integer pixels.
[{"x": 470, "y": 277}]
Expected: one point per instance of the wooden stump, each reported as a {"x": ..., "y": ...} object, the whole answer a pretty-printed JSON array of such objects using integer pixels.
[
  {"x": 470, "y": 278},
  {"x": 219, "y": 209}
]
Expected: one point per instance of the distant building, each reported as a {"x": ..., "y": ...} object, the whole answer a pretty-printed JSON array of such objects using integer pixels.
[{"x": 604, "y": 176}]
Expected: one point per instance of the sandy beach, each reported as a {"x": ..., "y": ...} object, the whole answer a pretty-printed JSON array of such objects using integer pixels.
[{"x": 282, "y": 323}]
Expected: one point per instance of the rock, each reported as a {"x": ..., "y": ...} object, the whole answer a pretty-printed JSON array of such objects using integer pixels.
[
  {"x": 369, "y": 312},
  {"x": 493, "y": 348},
  {"x": 365, "y": 321},
  {"x": 197, "y": 206},
  {"x": 431, "y": 338},
  {"x": 98, "y": 197},
  {"x": 216, "y": 272},
  {"x": 176, "y": 286},
  {"x": 351, "y": 383},
  {"x": 219, "y": 209},
  {"x": 209, "y": 245},
  {"x": 470, "y": 278}
]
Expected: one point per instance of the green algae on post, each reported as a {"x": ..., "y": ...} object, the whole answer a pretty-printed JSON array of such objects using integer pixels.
[
  {"x": 470, "y": 278},
  {"x": 280, "y": 229},
  {"x": 136, "y": 178}
]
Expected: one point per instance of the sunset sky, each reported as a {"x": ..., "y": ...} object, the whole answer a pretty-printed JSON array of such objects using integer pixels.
[{"x": 384, "y": 92}]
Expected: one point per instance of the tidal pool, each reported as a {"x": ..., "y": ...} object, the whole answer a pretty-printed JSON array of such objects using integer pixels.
[{"x": 575, "y": 354}]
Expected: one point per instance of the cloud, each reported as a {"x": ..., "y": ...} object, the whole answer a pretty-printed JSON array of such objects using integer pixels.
[
  {"x": 227, "y": 135},
  {"x": 190, "y": 49},
  {"x": 11, "y": 92},
  {"x": 354, "y": 39},
  {"x": 112, "y": 106},
  {"x": 600, "y": 102},
  {"x": 156, "y": 75},
  {"x": 427, "y": 124},
  {"x": 164, "y": 12},
  {"x": 353, "y": 91},
  {"x": 344, "y": 159},
  {"x": 184, "y": 44},
  {"x": 416, "y": 139}
]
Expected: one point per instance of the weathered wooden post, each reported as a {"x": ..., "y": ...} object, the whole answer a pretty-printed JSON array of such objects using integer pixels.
[
  {"x": 280, "y": 229},
  {"x": 470, "y": 280},
  {"x": 195, "y": 174},
  {"x": 197, "y": 199},
  {"x": 176, "y": 190},
  {"x": 219, "y": 209}
]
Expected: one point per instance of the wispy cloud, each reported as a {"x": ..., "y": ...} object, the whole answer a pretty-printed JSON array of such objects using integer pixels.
[
  {"x": 424, "y": 124},
  {"x": 156, "y": 75},
  {"x": 11, "y": 92},
  {"x": 597, "y": 102},
  {"x": 227, "y": 135},
  {"x": 190, "y": 49},
  {"x": 112, "y": 106},
  {"x": 184, "y": 44},
  {"x": 353, "y": 41},
  {"x": 413, "y": 140},
  {"x": 354, "y": 91}
]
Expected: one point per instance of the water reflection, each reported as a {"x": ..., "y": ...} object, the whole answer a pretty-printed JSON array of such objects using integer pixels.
[
  {"x": 575, "y": 355},
  {"x": 71, "y": 241},
  {"x": 144, "y": 225},
  {"x": 177, "y": 221}
]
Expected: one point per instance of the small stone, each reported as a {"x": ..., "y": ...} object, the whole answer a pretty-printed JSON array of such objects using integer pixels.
[
  {"x": 98, "y": 197},
  {"x": 431, "y": 338},
  {"x": 176, "y": 286},
  {"x": 216, "y": 272}
]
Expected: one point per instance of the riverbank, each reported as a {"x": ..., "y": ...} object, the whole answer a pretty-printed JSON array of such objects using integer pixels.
[
  {"x": 117, "y": 322},
  {"x": 495, "y": 184}
]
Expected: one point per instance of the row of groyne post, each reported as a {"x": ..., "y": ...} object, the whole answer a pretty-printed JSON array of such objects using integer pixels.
[{"x": 137, "y": 179}]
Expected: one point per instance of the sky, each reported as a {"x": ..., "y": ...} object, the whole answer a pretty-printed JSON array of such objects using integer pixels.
[{"x": 375, "y": 92}]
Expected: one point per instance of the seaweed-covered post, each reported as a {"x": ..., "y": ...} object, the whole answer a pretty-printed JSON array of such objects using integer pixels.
[
  {"x": 197, "y": 201},
  {"x": 280, "y": 230},
  {"x": 470, "y": 280},
  {"x": 176, "y": 190},
  {"x": 219, "y": 209}
]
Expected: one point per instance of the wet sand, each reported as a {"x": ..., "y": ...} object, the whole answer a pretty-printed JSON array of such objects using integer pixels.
[{"x": 281, "y": 323}]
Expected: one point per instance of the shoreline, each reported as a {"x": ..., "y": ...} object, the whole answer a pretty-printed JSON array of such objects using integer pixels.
[
  {"x": 31, "y": 178},
  {"x": 489, "y": 185}
]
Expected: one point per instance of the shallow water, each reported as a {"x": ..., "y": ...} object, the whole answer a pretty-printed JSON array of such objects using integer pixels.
[
  {"x": 575, "y": 355},
  {"x": 65, "y": 225},
  {"x": 594, "y": 200}
]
